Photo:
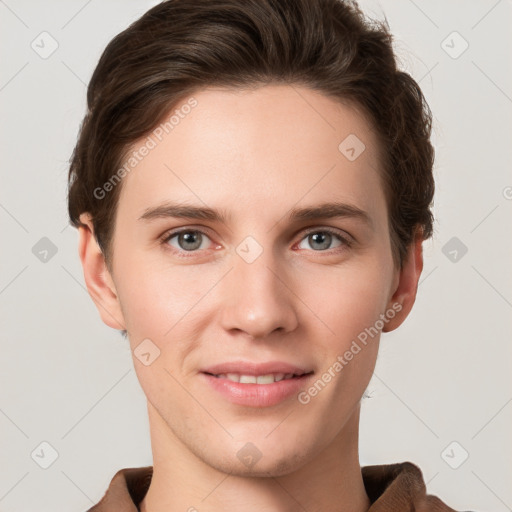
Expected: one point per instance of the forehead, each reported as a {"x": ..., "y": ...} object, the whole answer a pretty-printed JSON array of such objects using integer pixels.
[{"x": 277, "y": 145}]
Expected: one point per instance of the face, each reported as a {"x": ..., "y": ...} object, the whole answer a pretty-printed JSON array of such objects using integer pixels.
[{"x": 226, "y": 267}]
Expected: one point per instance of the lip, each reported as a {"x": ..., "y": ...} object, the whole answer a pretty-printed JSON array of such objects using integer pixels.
[{"x": 256, "y": 395}]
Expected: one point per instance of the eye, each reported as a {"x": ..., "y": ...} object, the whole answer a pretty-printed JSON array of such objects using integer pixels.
[
  {"x": 193, "y": 240},
  {"x": 321, "y": 239},
  {"x": 188, "y": 240}
]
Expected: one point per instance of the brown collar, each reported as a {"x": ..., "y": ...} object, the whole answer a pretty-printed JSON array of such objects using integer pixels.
[{"x": 390, "y": 488}]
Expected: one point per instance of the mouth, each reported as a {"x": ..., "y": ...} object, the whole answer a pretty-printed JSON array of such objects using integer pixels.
[
  {"x": 256, "y": 384},
  {"x": 268, "y": 378}
]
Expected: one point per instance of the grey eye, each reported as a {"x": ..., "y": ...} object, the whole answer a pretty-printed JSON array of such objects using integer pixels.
[
  {"x": 321, "y": 240},
  {"x": 188, "y": 240}
]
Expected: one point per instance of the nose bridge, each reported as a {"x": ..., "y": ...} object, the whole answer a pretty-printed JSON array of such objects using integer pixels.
[{"x": 259, "y": 300}]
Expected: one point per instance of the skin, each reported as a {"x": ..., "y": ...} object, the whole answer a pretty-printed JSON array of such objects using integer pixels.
[{"x": 256, "y": 154}]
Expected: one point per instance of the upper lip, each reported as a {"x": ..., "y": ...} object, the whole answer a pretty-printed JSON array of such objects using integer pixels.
[{"x": 250, "y": 368}]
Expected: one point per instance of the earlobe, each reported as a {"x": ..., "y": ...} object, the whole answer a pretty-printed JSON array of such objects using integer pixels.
[
  {"x": 97, "y": 277},
  {"x": 404, "y": 296}
]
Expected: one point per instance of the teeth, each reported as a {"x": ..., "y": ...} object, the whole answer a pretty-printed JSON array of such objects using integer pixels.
[
  {"x": 253, "y": 379},
  {"x": 265, "y": 379},
  {"x": 247, "y": 379}
]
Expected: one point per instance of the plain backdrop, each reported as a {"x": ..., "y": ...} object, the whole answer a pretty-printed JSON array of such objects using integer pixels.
[{"x": 441, "y": 394}]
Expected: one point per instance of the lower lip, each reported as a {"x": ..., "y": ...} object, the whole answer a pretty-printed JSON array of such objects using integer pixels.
[{"x": 257, "y": 395}]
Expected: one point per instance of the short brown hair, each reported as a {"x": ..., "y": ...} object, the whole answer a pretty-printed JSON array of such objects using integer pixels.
[{"x": 182, "y": 46}]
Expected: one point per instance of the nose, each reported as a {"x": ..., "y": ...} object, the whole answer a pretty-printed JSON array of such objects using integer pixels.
[{"x": 258, "y": 298}]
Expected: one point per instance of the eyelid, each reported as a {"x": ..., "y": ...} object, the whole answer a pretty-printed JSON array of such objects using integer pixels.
[
  {"x": 343, "y": 235},
  {"x": 176, "y": 231},
  {"x": 164, "y": 239}
]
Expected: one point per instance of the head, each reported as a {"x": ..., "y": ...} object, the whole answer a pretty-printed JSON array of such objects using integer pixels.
[{"x": 214, "y": 131}]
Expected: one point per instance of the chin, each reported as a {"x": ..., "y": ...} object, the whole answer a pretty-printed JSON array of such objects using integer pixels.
[{"x": 266, "y": 467}]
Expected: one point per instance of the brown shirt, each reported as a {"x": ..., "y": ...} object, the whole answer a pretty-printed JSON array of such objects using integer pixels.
[{"x": 390, "y": 488}]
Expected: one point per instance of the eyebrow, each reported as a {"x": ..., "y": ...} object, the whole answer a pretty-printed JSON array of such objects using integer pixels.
[{"x": 329, "y": 210}]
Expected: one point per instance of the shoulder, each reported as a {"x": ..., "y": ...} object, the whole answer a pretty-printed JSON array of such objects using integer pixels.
[
  {"x": 125, "y": 491},
  {"x": 399, "y": 486}
]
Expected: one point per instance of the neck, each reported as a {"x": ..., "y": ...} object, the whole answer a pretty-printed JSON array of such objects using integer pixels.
[{"x": 331, "y": 482}]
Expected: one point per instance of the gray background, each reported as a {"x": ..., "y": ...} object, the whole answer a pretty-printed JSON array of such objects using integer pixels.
[{"x": 442, "y": 378}]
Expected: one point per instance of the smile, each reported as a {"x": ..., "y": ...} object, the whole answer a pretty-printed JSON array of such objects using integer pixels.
[
  {"x": 269, "y": 378},
  {"x": 257, "y": 390}
]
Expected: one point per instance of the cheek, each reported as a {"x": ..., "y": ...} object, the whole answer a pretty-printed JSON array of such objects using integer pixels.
[
  {"x": 169, "y": 305},
  {"x": 347, "y": 299},
  {"x": 158, "y": 305},
  {"x": 349, "y": 304},
  {"x": 155, "y": 295}
]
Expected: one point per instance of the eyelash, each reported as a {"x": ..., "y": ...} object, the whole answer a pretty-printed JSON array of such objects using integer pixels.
[{"x": 346, "y": 243}]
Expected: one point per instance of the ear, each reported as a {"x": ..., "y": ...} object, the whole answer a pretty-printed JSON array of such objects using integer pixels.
[
  {"x": 97, "y": 276},
  {"x": 406, "y": 284}
]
